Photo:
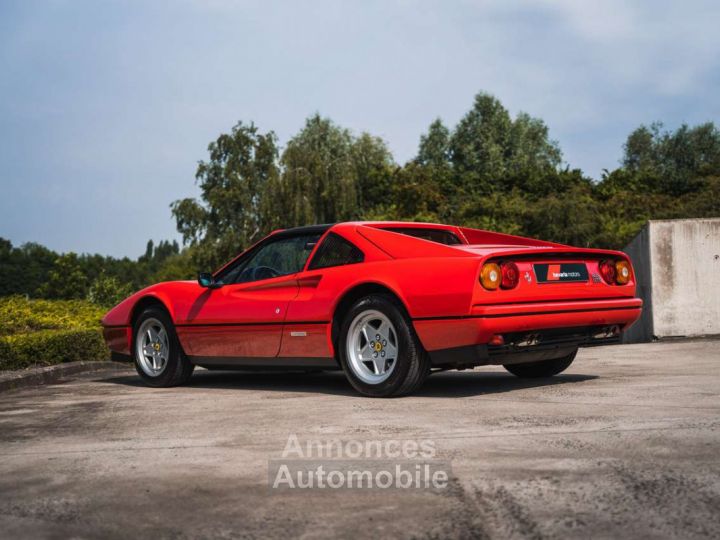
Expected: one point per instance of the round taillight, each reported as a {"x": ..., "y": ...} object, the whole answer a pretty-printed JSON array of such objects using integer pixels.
[
  {"x": 608, "y": 272},
  {"x": 623, "y": 272},
  {"x": 510, "y": 275},
  {"x": 491, "y": 276}
]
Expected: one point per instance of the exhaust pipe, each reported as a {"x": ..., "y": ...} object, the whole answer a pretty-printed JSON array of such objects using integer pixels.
[
  {"x": 607, "y": 332},
  {"x": 528, "y": 341}
]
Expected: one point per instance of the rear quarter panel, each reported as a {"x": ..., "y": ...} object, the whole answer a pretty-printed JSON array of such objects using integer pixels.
[{"x": 427, "y": 287}]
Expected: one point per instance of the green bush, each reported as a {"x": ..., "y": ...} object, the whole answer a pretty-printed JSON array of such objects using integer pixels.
[
  {"x": 19, "y": 315},
  {"x": 47, "y": 347},
  {"x": 46, "y": 332}
]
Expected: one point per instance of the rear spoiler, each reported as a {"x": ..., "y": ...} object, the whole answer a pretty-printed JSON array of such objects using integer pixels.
[
  {"x": 479, "y": 236},
  {"x": 555, "y": 253}
]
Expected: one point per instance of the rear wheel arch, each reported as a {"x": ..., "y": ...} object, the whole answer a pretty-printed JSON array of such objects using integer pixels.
[
  {"x": 380, "y": 313},
  {"x": 354, "y": 294}
]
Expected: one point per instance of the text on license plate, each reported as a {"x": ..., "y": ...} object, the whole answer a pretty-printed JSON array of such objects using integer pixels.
[{"x": 560, "y": 272}]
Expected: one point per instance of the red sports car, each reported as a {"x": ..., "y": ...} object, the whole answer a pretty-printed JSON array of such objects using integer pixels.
[{"x": 386, "y": 302}]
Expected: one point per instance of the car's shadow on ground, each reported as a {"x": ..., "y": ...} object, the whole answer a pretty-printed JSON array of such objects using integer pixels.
[{"x": 438, "y": 385}]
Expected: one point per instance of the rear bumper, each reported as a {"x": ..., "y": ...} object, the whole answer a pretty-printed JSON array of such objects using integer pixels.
[
  {"x": 441, "y": 334},
  {"x": 524, "y": 347}
]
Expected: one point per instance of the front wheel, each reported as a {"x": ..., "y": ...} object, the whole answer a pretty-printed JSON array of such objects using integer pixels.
[
  {"x": 544, "y": 368},
  {"x": 159, "y": 358},
  {"x": 379, "y": 351}
]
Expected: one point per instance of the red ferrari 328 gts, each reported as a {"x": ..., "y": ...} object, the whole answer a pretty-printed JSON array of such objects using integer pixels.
[{"x": 386, "y": 302}]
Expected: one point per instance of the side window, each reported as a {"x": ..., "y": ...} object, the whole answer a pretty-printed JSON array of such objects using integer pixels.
[
  {"x": 277, "y": 258},
  {"x": 335, "y": 251}
]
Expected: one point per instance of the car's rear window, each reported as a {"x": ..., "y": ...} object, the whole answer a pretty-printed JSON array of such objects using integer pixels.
[{"x": 441, "y": 236}]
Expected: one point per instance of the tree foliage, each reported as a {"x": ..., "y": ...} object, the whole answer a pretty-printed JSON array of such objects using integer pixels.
[
  {"x": 38, "y": 272},
  {"x": 672, "y": 162},
  {"x": 233, "y": 211},
  {"x": 492, "y": 170},
  {"x": 329, "y": 175},
  {"x": 108, "y": 291}
]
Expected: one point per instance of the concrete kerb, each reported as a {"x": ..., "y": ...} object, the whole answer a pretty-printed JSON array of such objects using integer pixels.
[{"x": 49, "y": 374}]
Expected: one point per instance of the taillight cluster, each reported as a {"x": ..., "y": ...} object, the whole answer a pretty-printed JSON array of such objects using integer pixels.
[
  {"x": 615, "y": 272},
  {"x": 504, "y": 275}
]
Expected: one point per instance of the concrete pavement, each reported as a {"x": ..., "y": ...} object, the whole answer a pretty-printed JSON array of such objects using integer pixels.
[{"x": 625, "y": 443}]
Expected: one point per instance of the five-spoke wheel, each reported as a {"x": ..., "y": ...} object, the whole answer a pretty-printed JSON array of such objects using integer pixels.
[
  {"x": 159, "y": 358},
  {"x": 378, "y": 348},
  {"x": 153, "y": 347},
  {"x": 372, "y": 346}
]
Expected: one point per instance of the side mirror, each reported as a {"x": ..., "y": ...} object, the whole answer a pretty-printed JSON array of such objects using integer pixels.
[{"x": 205, "y": 279}]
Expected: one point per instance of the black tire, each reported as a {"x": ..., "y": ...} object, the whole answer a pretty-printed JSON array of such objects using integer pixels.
[
  {"x": 178, "y": 368},
  {"x": 412, "y": 364},
  {"x": 544, "y": 368}
]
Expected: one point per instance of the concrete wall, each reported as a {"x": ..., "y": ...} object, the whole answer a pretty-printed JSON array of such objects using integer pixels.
[
  {"x": 639, "y": 251},
  {"x": 677, "y": 263}
]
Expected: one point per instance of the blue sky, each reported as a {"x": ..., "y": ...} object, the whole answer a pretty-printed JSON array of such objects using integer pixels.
[{"x": 106, "y": 107}]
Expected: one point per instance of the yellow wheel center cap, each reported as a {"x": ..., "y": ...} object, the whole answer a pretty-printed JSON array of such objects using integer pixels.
[
  {"x": 156, "y": 346},
  {"x": 378, "y": 346}
]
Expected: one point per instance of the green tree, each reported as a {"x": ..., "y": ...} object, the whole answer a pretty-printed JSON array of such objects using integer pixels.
[
  {"x": 568, "y": 218},
  {"x": 174, "y": 267},
  {"x": 329, "y": 175},
  {"x": 434, "y": 160},
  {"x": 107, "y": 291},
  {"x": 23, "y": 269},
  {"x": 492, "y": 152},
  {"x": 479, "y": 145},
  {"x": 672, "y": 162},
  {"x": 434, "y": 150},
  {"x": 66, "y": 279},
  {"x": 233, "y": 184},
  {"x": 373, "y": 168},
  {"x": 417, "y": 195},
  {"x": 319, "y": 179}
]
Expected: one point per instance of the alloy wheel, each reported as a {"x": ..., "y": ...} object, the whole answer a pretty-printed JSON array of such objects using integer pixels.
[
  {"x": 152, "y": 347},
  {"x": 372, "y": 347}
]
